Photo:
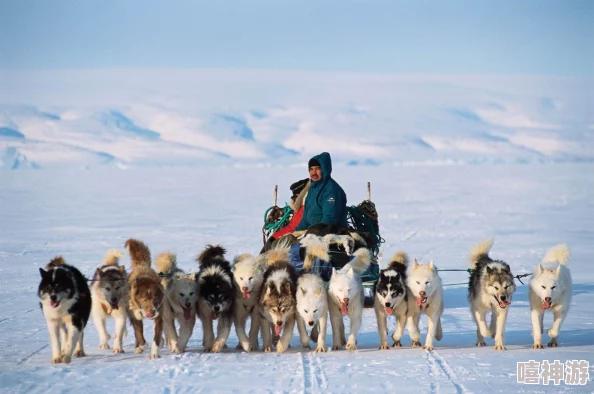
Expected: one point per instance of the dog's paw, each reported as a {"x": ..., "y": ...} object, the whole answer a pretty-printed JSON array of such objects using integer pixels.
[
  {"x": 480, "y": 344},
  {"x": 117, "y": 350},
  {"x": 138, "y": 349},
  {"x": 104, "y": 346},
  {"x": 267, "y": 349},
  {"x": 500, "y": 347},
  {"x": 57, "y": 360},
  {"x": 537, "y": 346},
  {"x": 79, "y": 353},
  {"x": 65, "y": 359},
  {"x": 239, "y": 346},
  {"x": 320, "y": 349},
  {"x": 336, "y": 347},
  {"x": 397, "y": 344},
  {"x": 245, "y": 346},
  {"x": 351, "y": 346},
  {"x": 280, "y": 348},
  {"x": 553, "y": 343},
  {"x": 343, "y": 341},
  {"x": 218, "y": 347},
  {"x": 428, "y": 347},
  {"x": 154, "y": 356},
  {"x": 415, "y": 344},
  {"x": 176, "y": 350},
  {"x": 384, "y": 346},
  {"x": 207, "y": 350}
]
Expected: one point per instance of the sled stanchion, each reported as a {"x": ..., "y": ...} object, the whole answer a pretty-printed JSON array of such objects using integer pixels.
[
  {"x": 368, "y": 191},
  {"x": 275, "y": 195}
]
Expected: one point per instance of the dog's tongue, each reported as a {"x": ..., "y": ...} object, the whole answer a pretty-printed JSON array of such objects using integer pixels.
[
  {"x": 277, "y": 329},
  {"x": 388, "y": 310},
  {"x": 114, "y": 306},
  {"x": 503, "y": 304},
  {"x": 344, "y": 308},
  {"x": 54, "y": 304},
  {"x": 213, "y": 315},
  {"x": 247, "y": 295},
  {"x": 187, "y": 313},
  {"x": 545, "y": 305}
]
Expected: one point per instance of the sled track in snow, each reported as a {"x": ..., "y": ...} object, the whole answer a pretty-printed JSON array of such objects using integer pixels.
[
  {"x": 438, "y": 365},
  {"x": 33, "y": 353},
  {"x": 16, "y": 315},
  {"x": 314, "y": 379}
]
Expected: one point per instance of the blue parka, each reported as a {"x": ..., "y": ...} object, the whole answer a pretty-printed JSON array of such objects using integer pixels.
[{"x": 326, "y": 201}]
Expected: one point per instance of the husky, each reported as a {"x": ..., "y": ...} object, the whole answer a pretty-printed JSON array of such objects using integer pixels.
[
  {"x": 390, "y": 299},
  {"x": 345, "y": 297},
  {"x": 490, "y": 288},
  {"x": 277, "y": 301},
  {"x": 248, "y": 275},
  {"x": 181, "y": 295},
  {"x": 424, "y": 295},
  {"x": 146, "y": 297},
  {"x": 65, "y": 300},
  {"x": 110, "y": 299},
  {"x": 216, "y": 297},
  {"x": 550, "y": 289},
  {"x": 312, "y": 309}
]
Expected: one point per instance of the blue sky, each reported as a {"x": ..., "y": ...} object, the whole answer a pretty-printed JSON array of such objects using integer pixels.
[{"x": 478, "y": 37}]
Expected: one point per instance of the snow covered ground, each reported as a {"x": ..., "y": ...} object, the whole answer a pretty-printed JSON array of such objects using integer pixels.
[{"x": 434, "y": 212}]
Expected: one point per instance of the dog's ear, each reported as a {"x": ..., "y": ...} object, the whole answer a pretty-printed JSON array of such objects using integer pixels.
[
  {"x": 318, "y": 292},
  {"x": 489, "y": 270},
  {"x": 42, "y": 272},
  {"x": 540, "y": 269},
  {"x": 303, "y": 291},
  {"x": 350, "y": 273},
  {"x": 286, "y": 287},
  {"x": 506, "y": 268},
  {"x": 558, "y": 270},
  {"x": 192, "y": 276},
  {"x": 122, "y": 269},
  {"x": 98, "y": 273},
  {"x": 268, "y": 292},
  {"x": 431, "y": 265},
  {"x": 415, "y": 264}
]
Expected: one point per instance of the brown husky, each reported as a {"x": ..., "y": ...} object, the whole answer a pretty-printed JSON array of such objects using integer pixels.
[{"x": 146, "y": 296}]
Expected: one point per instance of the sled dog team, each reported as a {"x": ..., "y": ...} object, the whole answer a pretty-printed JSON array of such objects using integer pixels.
[{"x": 268, "y": 290}]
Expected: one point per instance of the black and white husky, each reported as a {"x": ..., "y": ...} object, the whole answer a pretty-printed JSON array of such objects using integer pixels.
[
  {"x": 490, "y": 290},
  {"x": 216, "y": 297},
  {"x": 65, "y": 300},
  {"x": 390, "y": 299}
]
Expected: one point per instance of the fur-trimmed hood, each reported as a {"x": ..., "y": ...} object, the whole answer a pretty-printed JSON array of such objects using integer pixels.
[{"x": 300, "y": 200}]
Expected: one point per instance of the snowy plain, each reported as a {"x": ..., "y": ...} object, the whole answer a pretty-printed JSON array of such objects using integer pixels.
[{"x": 429, "y": 211}]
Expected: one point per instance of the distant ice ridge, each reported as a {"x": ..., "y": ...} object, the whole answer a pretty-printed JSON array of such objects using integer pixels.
[{"x": 255, "y": 118}]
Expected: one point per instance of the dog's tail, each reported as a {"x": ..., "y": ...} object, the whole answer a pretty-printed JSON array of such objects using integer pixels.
[
  {"x": 558, "y": 253},
  {"x": 166, "y": 263},
  {"x": 57, "y": 261},
  {"x": 480, "y": 251},
  {"x": 399, "y": 259},
  {"x": 360, "y": 262},
  {"x": 275, "y": 255},
  {"x": 216, "y": 252},
  {"x": 113, "y": 257},
  {"x": 315, "y": 247},
  {"x": 139, "y": 253}
]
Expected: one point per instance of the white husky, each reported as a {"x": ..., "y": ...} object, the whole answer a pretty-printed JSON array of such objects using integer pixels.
[
  {"x": 550, "y": 289},
  {"x": 345, "y": 297},
  {"x": 312, "y": 309},
  {"x": 425, "y": 295},
  {"x": 110, "y": 299},
  {"x": 181, "y": 295},
  {"x": 248, "y": 274}
]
